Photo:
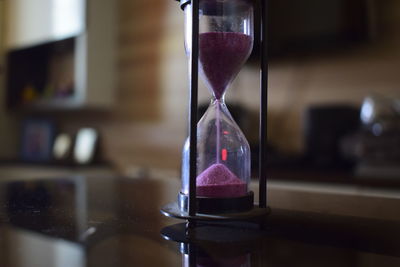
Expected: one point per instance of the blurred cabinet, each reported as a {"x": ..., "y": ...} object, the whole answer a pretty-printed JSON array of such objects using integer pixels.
[
  {"x": 34, "y": 22},
  {"x": 60, "y": 53}
]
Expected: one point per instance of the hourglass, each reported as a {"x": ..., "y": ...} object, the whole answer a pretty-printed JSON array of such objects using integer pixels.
[
  {"x": 223, "y": 161},
  {"x": 216, "y": 157}
]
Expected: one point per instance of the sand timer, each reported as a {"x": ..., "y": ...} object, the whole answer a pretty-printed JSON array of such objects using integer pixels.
[
  {"x": 216, "y": 165},
  {"x": 223, "y": 153}
]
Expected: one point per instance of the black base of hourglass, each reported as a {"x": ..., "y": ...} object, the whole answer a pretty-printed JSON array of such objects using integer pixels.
[
  {"x": 218, "y": 205},
  {"x": 234, "y": 232},
  {"x": 218, "y": 209}
]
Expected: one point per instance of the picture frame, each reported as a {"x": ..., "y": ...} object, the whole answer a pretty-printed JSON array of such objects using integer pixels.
[{"x": 37, "y": 140}]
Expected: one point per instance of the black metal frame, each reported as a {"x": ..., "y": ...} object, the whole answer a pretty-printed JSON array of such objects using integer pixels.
[
  {"x": 192, "y": 209},
  {"x": 192, "y": 213},
  {"x": 263, "y": 108},
  {"x": 194, "y": 72}
]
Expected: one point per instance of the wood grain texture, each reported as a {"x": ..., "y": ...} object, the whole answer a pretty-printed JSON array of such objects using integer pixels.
[
  {"x": 8, "y": 124},
  {"x": 148, "y": 124}
]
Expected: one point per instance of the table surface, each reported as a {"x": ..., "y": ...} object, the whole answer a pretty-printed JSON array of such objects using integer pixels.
[{"x": 109, "y": 221}]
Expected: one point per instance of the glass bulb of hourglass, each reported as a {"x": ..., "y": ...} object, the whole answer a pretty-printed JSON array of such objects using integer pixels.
[
  {"x": 223, "y": 153},
  {"x": 222, "y": 54}
]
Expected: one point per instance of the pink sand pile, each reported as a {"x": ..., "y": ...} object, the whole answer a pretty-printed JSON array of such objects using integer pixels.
[{"x": 218, "y": 181}]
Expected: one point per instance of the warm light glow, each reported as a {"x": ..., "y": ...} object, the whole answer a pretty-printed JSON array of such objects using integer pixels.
[
  {"x": 85, "y": 145},
  {"x": 62, "y": 146},
  {"x": 41, "y": 21},
  {"x": 67, "y": 17}
]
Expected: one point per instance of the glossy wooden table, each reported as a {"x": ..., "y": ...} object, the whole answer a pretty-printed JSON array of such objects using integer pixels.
[{"x": 78, "y": 221}]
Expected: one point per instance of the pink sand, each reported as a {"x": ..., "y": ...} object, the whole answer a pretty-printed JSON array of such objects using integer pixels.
[
  {"x": 218, "y": 181},
  {"x": 221, "y": 56}
]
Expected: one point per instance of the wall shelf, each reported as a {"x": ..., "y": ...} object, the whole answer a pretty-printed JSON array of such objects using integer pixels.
[{"x": 61, "y": 68}]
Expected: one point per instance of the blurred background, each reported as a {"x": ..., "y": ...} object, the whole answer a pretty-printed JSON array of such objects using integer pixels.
[
  {"x": 93, "y": 86},
  {"x": 96, "y": 90}
]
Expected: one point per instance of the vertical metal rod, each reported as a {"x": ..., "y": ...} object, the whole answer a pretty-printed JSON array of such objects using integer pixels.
[
  {"x": 263, "y": 109},
  {"x": 193, "y": 79}
]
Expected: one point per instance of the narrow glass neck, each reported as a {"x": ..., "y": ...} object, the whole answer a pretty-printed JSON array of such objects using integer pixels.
[{"x": 218, "y": 101}]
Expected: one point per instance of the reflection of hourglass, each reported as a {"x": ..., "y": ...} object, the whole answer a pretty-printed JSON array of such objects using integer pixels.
[
  {"x": 223, "y": 161},
  {"x": 236, "y": 246}
]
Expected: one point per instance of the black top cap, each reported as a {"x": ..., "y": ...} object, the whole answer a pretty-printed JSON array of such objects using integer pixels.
[
  {"x": 183, "y": 3},
  {"x": 211, "y": 6}
]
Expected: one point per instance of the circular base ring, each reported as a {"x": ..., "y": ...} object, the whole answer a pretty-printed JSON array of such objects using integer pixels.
[
  {"x": 236, "y": 233},
  {"x": 256, "y": 213}
]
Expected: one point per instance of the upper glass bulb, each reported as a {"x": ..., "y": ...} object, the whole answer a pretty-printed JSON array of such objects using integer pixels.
[{"x": 225, "y": 40}]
